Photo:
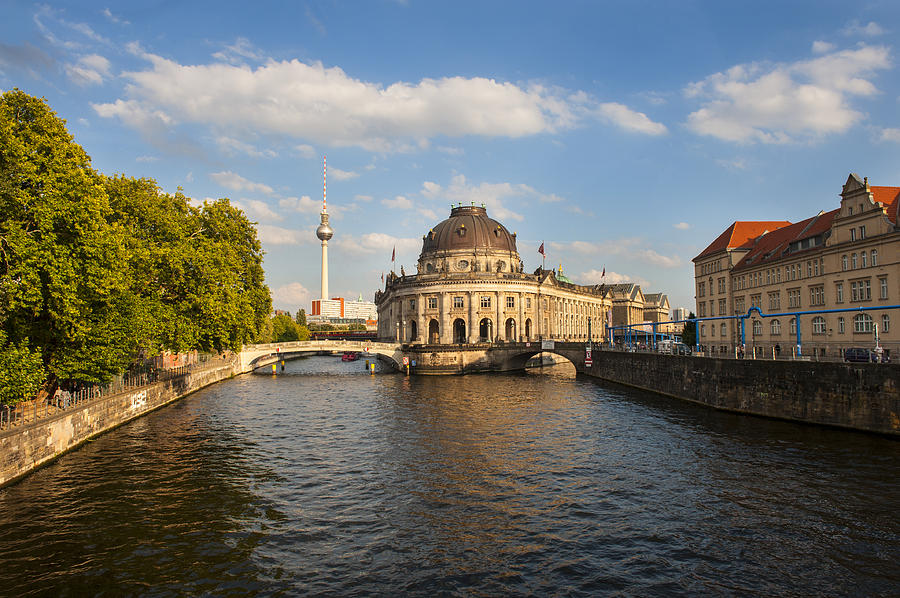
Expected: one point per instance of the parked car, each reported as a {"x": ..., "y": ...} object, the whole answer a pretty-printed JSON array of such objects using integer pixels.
[
  {"x": 858, "y": 355},
  {"x": 682, "y": 349}
]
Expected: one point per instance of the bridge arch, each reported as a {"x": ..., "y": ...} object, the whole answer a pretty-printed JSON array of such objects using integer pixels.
[{"x": 252, "y": 355}]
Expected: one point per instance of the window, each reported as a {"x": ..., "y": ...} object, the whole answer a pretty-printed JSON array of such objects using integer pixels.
[
  {"x": 701, "y": 308},
  {"x": 712, "y": 307},
  {"x": 485, "y": 301},
  {"x": 721, "y": 285},
  {"x": 702, "y": 329},
  {"x": 853, "y": 261},
  {"x": 712, "y": 329},
  {"x": 817, "y": 295},
  {"x": 432, "y": 303},
  {"x": 862, "y": 259},
  {"x": 884, "y": 287},
  {"x": 739, "y": 306},
  {"x": 776, "y": 327},
  {"x": 839, "y": 292},
  {"x": 843, "y": 262},
  {"x": 701, "y": 289},
  {"x": 841, "y": 326},
  {"x": 778, "y": 275},
  {"x": 862, "y": 323},
  {"x": 723, "y": 307},
  {"x": 818, "y": 325},
  {"x": 794, "y": 298},
  {"x": 412, "y": 304},
  {"x": 757, "y": 328},
  {"x": 862, "y": 231},
  {"x": 774, "y": 301},
  {"x": 861, "y": 290},
  {"x": 458, "y": 302},
  {"x": 885, "y": 323},
  {"x": 794, "y": 326},
  {"x": 874, "y": 257},
  {"x": 723, "y": 330},
  {"x": 816, "y": 268},
  {"x": 809, "y": 269},
  {"x": 510, "y": 302},
  {"x": 527, "y": 302},
  {"x": 852, "y": 234},
  {"x": 756, "y": 300}
]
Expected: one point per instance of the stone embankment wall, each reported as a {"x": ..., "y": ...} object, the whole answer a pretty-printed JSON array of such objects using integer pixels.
[
  {"x": 864, "y": 396},
  {"x": 24, "y": 448}
]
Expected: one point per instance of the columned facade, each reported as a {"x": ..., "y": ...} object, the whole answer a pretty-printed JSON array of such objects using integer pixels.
[{"x": 471, "y": 288}]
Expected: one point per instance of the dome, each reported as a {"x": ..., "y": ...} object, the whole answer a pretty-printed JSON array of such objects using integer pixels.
[{"x": 468, "y": 227}]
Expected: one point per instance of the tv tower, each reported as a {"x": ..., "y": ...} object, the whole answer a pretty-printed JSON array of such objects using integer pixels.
[{"x": 324, "y": 232}]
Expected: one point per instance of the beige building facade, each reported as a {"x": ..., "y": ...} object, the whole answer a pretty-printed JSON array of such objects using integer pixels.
[
  {"x": 470, "y": 287},
  {"x": 844, "y": 259}
]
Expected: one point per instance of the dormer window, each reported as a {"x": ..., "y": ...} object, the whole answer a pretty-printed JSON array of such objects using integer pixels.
[{"x": 461, "y": 231}]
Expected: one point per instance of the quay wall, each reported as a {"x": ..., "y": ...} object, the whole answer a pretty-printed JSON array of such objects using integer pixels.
[
  {"x": 861, "y": 396},
  {"x": 24, "y": 448}
]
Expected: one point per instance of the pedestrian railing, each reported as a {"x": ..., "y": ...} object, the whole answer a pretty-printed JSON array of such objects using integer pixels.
[{"x": 31, "y": 411}]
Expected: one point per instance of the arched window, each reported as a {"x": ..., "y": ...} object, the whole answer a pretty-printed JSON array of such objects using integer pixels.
[
  {"x": 776, "y": 327},
  {"x": 818, "y": 325},
  {"x": 862, "y": 323},
  {"x": 722, "y": 329},
  {"x": 702, "y": 329},
  {"x": 874, "y": 257},
  {"x": 853, "y": 262},
  {"x": 862, "y": 259},
  {"x": 794, "y": 326},
  {"x": 885, "y": 323},
  {"x": 757, "y": 327},
  {"x": 843, "y": 262}
]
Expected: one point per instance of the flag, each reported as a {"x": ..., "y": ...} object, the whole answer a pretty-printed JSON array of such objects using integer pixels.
[
  {"x": 541, "y": 249},
  {"x": 604, "y": 272},
  {"x": 382, "y": 277},
  {"x": 394, "y": 253}
]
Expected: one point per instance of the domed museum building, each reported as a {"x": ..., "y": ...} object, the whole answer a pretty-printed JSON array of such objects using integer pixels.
[{"x": 471, "y": 287}]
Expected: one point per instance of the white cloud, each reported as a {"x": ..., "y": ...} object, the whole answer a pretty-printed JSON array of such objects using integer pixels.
[
  {"x": 820, "y": 47},
  {"x": 682, "y": 225},
  {"x": 870, "y": 29},
  {"x": 233, "y": 147},
  {"x": 113, "y": 18},
  {"x": 257, "y": 210},
  {"x": 305, "y": 151},
  {"x": 596, "y": 277},
  {"x": 372, "y": 243},
  {"x": 189, "y": 177},
  {"x": 652, "y": 257},
  {"x": 292, "y": 296},
  {"x": 89, "y": 70},
  {"x": 276, "y": 235},
  {"x": 236, "y": 182},
  {"x": 328, "y": 107},
  {"x": 736, "y": 164},
  {"x": 492, "y": 195},
  {"x": 363, "y": 198},
  {"x": 341, "y": 175},
  {"x": 398, "y": 203},
  {"x": 630, "y": 248},
  {"x": 236, "y": 53},
  {"x": 146, "y": 159},
  {"x": 786, "y": 102},
  {"x": 625, "y": 118},
  {"x": 304, "y": 205},
  {"x": 890, "y": 135},
  {"x": 450, "y": 151}
]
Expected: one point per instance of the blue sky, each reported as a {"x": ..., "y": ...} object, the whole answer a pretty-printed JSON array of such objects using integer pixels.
[{"x": 624, "y": 135}]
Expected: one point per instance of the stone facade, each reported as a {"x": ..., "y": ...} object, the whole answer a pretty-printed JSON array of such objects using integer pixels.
[
  {"x": 846, "y": 258},
  {"x": 471, "y": 287}
]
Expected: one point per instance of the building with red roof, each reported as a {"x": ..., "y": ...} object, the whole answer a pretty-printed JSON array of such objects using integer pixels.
[{"x": 848, "y": 257}]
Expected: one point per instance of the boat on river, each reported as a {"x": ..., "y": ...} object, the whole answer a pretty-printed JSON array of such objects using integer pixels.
[{"x": 350, "y": 356}]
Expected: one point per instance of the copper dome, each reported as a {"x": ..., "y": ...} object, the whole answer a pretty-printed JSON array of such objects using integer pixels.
[{"x": 468, "y": 227}]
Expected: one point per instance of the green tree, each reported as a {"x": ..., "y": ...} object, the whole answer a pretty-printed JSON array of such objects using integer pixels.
[
  {"x": 301, "y": 317},
  {"x": 21, "y": 372},
  {"x": 689, "y": 334},
  {"x": 63, "y": 268}
]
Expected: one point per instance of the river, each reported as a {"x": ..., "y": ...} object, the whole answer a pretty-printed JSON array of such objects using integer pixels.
[{"x": 326, "y": 480}]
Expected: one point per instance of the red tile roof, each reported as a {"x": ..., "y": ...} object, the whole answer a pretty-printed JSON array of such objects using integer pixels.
[
  {"x": 890, "y": 197},
  {"x": 740, "y": 234},
  {"x": 772, "y": 246}
]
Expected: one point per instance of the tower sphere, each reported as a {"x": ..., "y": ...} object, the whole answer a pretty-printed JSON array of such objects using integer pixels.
[{"x": 324, "y": 231}]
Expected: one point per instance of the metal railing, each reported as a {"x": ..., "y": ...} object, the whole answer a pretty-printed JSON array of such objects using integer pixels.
[{"x": 31, "y": 411}]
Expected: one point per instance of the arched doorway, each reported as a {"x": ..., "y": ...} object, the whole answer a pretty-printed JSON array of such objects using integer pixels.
[
  {"x": 486, "y": 330},
  {"x": 511, "y": 330},
  {"x": 528, "y": 329},
  {"x": 413, "y": 331},
  {"x": 434, "y": 332},
  {"x": 459, "y": 331}
]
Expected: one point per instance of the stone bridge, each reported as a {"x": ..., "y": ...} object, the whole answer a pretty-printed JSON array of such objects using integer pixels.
[
  {"x": 255, "y": 356},
  {"x": 424, "y": 359}
]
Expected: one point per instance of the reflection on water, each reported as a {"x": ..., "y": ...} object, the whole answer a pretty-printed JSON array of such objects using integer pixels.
[{"x": 327, "y": 480}]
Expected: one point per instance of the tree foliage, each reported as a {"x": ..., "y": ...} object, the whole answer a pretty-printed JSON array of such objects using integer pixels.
[
  {"x": 21, "y": 371},
  {"x": 689, "y": 334},
  {"x": 96, "y": 271},
  {"x": 282, "y": 328}
]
